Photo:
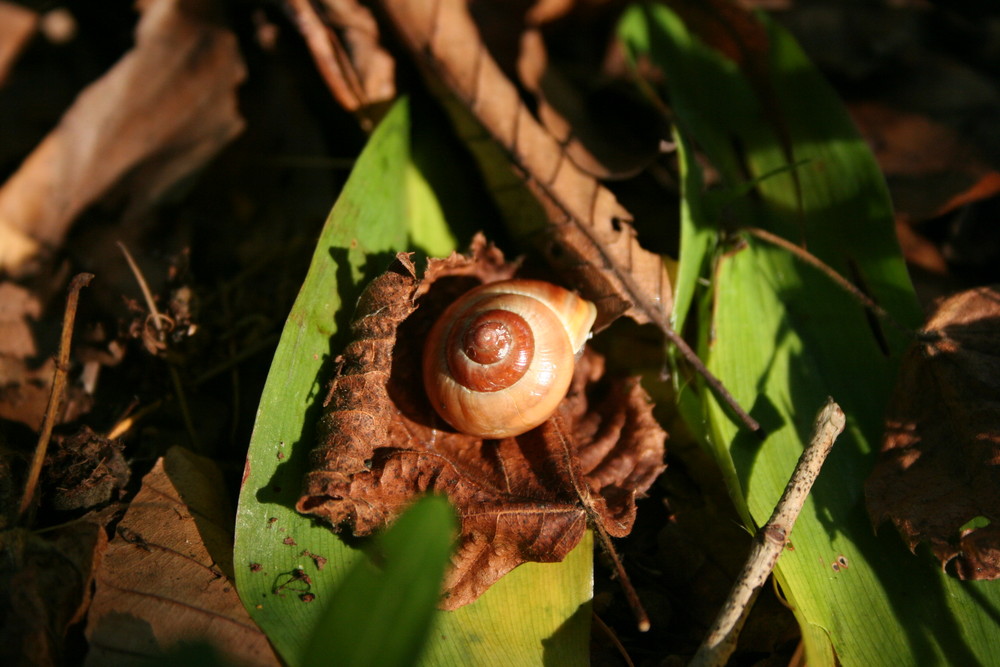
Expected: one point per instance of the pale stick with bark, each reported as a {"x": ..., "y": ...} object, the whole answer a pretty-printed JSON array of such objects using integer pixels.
[{"x": 769, "y": 541}]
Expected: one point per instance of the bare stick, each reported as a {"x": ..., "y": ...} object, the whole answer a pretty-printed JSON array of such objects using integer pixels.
[
  {"x": 770, "y": 541},
  {"x": 58, "y": 389}
]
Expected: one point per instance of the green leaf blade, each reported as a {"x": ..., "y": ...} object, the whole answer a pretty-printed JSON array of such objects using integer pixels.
[
  {"x": 391, "y": 203},
  {"x": 364, "y": 229},
  {"x": 381, "y": 617},
  {"x": 782, "y": 337}
]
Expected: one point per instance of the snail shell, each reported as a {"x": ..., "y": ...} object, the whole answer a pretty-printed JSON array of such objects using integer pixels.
[{"x": 500, "y": 359}]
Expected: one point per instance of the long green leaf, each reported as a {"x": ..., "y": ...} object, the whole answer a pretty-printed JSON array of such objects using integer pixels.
[
  {"x": 782, "y": 338},
  {"x": 381, "y": 616},
  {"x": 389, "y": 204}
]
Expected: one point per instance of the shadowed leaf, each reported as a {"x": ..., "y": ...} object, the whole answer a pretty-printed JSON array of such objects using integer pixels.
[{"x": 938, "y": 470}]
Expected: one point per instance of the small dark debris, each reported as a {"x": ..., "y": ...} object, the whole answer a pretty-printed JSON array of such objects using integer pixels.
[{"x": 318, "y": 561}]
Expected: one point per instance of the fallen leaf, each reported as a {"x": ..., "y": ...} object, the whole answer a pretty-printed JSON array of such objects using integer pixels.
[
  {"x": 17, "y": 26},
  {"x": 589, "y": 235},
  {"x": 166, "y": 576},
  {"x": 930, "y": 167},
  {"x": 520, "y": 499},
  {"x": 344, "y": 40},
  {"x": 19, "y": 306},
  {"x": 45, "y": 582},
  {"x": 602, "y": 128},
  {"x": 160, "y": 113},
  {"x": 939, "y": 470}
]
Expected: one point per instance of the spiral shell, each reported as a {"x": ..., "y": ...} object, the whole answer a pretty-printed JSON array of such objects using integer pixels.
[{"x": 500, "y": 359}]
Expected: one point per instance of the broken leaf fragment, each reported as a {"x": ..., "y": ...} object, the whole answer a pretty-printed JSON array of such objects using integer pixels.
[
  {"x": 938, "y": 476},
  {"x": 519, "y": 499}
]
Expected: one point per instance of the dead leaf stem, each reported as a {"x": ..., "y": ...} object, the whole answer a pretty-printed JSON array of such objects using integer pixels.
[
  {"x": 770, "y": 541},
  {"x": 58, "y": 388}
]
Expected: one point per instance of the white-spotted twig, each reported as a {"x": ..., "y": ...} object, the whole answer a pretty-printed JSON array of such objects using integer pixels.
[{"x": 770, "y": 540}]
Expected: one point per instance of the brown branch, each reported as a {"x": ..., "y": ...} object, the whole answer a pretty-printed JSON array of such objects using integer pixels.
[
  {"x": 58, "y": 389},
  {"x": 770, "y": 541}
]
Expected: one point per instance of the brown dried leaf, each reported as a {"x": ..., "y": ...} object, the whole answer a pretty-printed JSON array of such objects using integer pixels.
[
  {"x": 520, "y": 499},
  {"x": 589, "y": 235},
  {"x": 344, "y": 42},
  {"x": 160, "y": 113},
  {"x": 940, "y": 462},
  {"x": 930, "y": 167},
  {"x": 19, "y": 306},
  {"x": 17, "y": 26},
  {"x": 45, "y": 584},
  {"x": 601, "y": 128},
  {"x": 166, "y": 576}
]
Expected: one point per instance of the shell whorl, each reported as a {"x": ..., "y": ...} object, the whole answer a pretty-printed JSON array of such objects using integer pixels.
[{"x": 500, "y": 359}]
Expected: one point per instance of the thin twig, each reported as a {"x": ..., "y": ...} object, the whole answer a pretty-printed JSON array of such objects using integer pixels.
[
  {"x": 631, "y": 596},
  {"x": 613, "y": 638},
  {"x": 770, "y": 541},
  {"x": 714, "y": 383},
  {"x": 594, "y": 518},
  {"x": 143, "y": 287},
  {"x": 58, "y": 389},
  {"x": 827, "y": 270}
]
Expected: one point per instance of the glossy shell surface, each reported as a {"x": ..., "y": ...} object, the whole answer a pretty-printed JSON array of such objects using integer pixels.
[{"x": 500, "y": 359}]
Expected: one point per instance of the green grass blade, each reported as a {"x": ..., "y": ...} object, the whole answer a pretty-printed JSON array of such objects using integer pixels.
[
  {"x": 782, "y": 338},
  {"x": 389, "y": 204}
]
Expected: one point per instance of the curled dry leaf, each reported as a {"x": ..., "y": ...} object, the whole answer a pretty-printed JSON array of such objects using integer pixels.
[
  {"x": 939, "y": 469},
  {"x": 344, "y": 40},
  {"x": 520, "y": 499},
  {"x": 589, "y": 235}
]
